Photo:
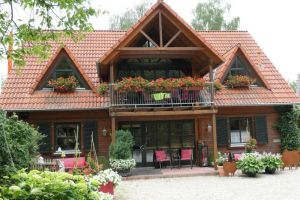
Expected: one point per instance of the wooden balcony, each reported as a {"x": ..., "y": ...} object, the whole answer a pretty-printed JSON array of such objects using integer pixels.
[{"x": 184, "y": 97}]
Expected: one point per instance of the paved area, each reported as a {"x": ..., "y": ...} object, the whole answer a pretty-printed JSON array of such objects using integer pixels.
[
  {"x": 185, "y": 171},
  {"x": 284, "y": 185}
]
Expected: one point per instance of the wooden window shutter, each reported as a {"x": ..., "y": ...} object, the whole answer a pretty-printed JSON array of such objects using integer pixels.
[
  {"x": 222, "y": 131},
  {"x": 261, "y": 131},
  {"x": 88, "y": 128},
  {"x": 45, "y": 144}
]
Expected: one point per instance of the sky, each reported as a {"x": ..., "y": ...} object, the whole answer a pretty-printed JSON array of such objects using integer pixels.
[{"x": 274, "y": 24}]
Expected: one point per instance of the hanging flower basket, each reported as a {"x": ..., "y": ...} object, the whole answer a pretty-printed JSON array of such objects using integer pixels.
[
  {"x": 64, "y": 84},
  {"x": 240, "y": 81}
]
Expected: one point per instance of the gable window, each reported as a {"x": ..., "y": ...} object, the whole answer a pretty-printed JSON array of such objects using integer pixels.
[
  {"x": 238, "y": 67},
  {"x": 240, "y": 130},
  {"x": 64, "y": 68},
  {"x": 65, "y": 136}
]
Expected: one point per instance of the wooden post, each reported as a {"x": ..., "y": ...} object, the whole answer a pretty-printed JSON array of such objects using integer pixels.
[
  {"x": 111, "y": 73},
  {"x": 214, "y": 132},
  {"x": 113, "y": 130},
  {"x": 160, "y": 31},
  {"x": 212, "y": 92}
]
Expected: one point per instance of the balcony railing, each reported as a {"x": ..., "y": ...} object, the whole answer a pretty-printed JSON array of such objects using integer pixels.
[{"x": 160, "y": 98}]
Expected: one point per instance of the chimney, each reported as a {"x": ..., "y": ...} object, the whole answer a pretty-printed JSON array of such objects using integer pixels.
[
  {"x": 9, "y": 57},
  {"x": 298, "y": 85}
]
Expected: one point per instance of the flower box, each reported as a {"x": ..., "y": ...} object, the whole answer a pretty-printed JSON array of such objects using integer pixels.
[
  {"x": 64, "y": 84},
  {"x": 240, "y": 81}
]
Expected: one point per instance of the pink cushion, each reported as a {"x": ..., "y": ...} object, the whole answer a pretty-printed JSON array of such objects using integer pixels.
[
  {"x": 70, "y": 162},
  {"x": 186, "y": 154},
  {"x": 161, "y": 155},
  {"x": 237, "y": 156}
]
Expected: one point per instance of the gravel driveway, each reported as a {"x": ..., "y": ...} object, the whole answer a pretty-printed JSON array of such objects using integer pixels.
[{"x": 285, "y": 185}]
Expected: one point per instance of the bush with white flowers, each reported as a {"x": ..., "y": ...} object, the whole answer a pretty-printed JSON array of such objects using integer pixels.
[
  {"x": 108, "y": 175},
  {"x": 122, "y": 164}
]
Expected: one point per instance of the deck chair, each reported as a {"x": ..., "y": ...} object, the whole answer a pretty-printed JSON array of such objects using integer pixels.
[
  {"x": 161, "y": 156},
  {"x": 186, "y": 154}
]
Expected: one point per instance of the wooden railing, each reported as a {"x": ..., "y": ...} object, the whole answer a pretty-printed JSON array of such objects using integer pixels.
[{"x": 160, "y": 98}]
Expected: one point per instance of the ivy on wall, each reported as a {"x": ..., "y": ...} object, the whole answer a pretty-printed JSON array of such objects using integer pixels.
[{"x": 288, "y": 127}]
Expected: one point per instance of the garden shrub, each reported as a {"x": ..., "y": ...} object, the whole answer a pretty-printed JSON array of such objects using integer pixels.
[
  {"x": 21, "y": 146},
  {"x": 104, "y": 162},
  {"x": 288, "y": 127},
  {"x": 51, "y": 186},
  {"x": 122, "y": 149}
]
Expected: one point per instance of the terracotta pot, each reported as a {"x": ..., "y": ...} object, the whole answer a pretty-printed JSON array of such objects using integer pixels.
[
  {"x": 229, "y": 168},
  {"x": 108, "y": 188},
  {"x": 290, "y": 158},
  {"x": 221, "y": 170}
]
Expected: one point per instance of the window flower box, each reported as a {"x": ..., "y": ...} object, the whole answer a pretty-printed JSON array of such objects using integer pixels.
[
  {"x": 240, "y": 81},
  {"x": 64, "y": 85}
]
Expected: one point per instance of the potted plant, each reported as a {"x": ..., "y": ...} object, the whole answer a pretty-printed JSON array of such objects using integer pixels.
[
  {"x": 103, "y": 88},
  {"x": 250, "y": 164},
  {"x": 220, "y": 161},
  {"x": 239, "y": 81},
  {"x": 64, "y": 84},
  {"x": 121, "y": 153},
  {"x": 229, "y": 165},
  {"x": 271, "y": 162},
  {"x": 250, "y": 145},
  {"x": 108, "y": 180}
]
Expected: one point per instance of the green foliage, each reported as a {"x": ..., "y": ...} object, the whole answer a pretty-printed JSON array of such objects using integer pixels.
[
  {"x": 22, "y": 144},
  {"x": 250, "y": 163},
  {"x": 271, "y": 161},
  {"x": 27, "y": 34},
  {"x": 127, "y": 19},
  {"x": 293, "y": 85},
  {"x": 50, "y": 186},
  {"x": 288, "y": 127},
  {"x": 122, "y": 164},
  {"x": 211, "y": 15},
  {"x": 104, "y": 162},
  {"x": 221, "y": 159},
  {"x": 250, "y": 145},
  {"x": 122, "y": 148}
]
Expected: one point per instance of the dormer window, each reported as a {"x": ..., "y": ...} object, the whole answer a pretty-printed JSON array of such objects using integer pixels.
[{"x": 64, "y": 68}]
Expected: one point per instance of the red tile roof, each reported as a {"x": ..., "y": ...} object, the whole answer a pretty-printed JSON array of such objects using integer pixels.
[{"x": 16, "y": 94}]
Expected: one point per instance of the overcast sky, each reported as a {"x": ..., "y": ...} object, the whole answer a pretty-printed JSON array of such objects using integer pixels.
[{"x": 274, "y": 24}]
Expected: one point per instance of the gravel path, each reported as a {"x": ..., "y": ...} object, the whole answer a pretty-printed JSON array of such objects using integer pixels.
[{"x": 282, "y": 186}]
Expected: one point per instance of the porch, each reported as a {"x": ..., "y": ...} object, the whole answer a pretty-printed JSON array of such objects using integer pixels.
[{"x": 185, "y": 171}]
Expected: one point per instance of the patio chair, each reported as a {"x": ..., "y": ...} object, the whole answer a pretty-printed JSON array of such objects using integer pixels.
[
  {"x": 186, "y": 155},
  {"x": 161, "y": 156}
]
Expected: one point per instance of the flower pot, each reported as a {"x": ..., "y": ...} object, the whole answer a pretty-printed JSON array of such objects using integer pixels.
[
  {"x": 290, "y": 158},
  {"x": 269, "y": 170},
  {"x": 107, "y": 188},
  {"x": 250, "y": 174},
  {"x": 221, "y": 170},
  {"x": 124, "y": 172},
  {"x": 229, "y": 168}
]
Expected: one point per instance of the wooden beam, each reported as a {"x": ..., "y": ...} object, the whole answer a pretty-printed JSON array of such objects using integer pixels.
[
  {"x": 161, "y": 113},
  {"x": 113, "y": 130},
  {"x": 212, "y": 93},
  {"x": 173, "y": 38},
  {"x": 160, "y": 31},
  {"x": 111, "y": 73},
  {"x": 215, "y": 142},
  {"x": 161, "y": 49},
  {"x": 149, "y": 38}
]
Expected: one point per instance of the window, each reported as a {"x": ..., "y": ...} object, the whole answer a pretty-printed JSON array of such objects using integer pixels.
[
  {"x": 65, "y": 134},
  {"x": 240, "y": 130},
  {"x": 65, "y": 68}
]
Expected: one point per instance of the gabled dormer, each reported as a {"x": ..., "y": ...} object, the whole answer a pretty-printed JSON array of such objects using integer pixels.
[
  {"x": 238, "y": 63},
  {"x": 63, "y": 65}
]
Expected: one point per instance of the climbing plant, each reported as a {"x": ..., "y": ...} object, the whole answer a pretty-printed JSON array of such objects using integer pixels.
[
  {"x": 288, "y": 127},
  {"x": 18, "y": 144}
]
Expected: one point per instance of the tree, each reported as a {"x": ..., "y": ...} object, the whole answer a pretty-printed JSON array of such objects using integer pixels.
[
  {"x": 129, "y": 17},
  {"x": 293, "y": 85},
  {"x": 23, "y": 24},
  {"x": 212, "y": 15},
  {"x": 19, "y": 144}
]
